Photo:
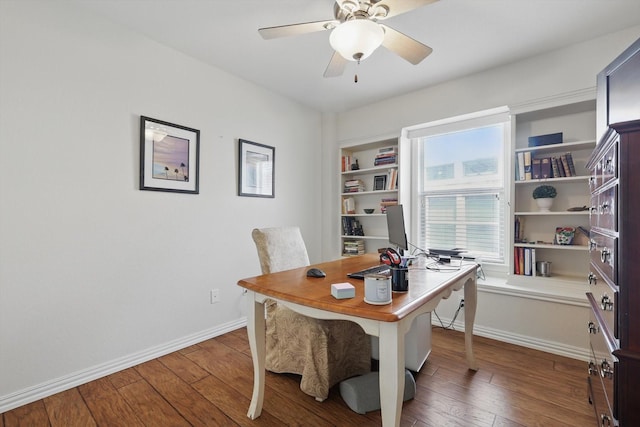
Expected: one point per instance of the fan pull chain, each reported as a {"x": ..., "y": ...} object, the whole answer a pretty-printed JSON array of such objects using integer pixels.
[{"x": 355, "y": 76}]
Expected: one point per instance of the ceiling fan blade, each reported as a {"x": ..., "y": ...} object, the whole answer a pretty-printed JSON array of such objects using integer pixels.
[
  {"x": 336, "y": 66},
  {"x": 403, "y": 45},
  {"x": 296, "y": 29},
  {"x": 396, "y": 7}
]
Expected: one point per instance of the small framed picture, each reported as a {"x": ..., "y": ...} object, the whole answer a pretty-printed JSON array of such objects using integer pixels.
[
  {"x": 379, "y": 182},
  {"x": 169, "y": 156},
  {"x": 256, "y": 163}
]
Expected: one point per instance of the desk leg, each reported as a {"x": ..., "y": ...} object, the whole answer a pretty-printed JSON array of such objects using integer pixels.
[
  {"x": 391, "y": 372},
  {"x": 470, "y": 304},
  {"x": 256, "y": 332}
]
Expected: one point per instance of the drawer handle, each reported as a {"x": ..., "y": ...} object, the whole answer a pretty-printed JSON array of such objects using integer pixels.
[
  {"x": 608, "y": 165},
  {"x": 604, "y": 208},
  {"x": 593, "y": 329},
  {"x": 593, "y": 210},
  {"x": 606, "y": 303},
  {"x": 606, "y": 371},
  {"x": 605, "y": 255},
  {"x": 592, "y": 278},
  {"x": 593, "y": 369},
  {"x": 592, "y": 245},
  {"x": 605, "y": 420}
]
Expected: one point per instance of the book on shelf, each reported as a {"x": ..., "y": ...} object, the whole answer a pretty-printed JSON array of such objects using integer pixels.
[
  {"x": 527, "y": 165},
  {"x": 527, "y": 261},
  {"x": 348, "y": 205},
  {"x": 572, "y": 167},
  {"x": 353, "y": 186},
  {"x": 353, "y": 247},
  {"x": 346, "y": 163},
  {"x": 387, "y": 202},
  {"x": 557, "y": 168},
  {"x": 388, "y": 150},
  {"x": 351, "y": 226},
  {"x": 520, "y": 168},
  {"x": 536, "y": 168},
  {"x": 545, "y": 168},
  {"x": 385, "y": 159},
  {"x": 392, "y": 179}
]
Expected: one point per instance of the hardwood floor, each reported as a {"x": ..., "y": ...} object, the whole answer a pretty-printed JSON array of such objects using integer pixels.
[{"x": 211, "y": 383}]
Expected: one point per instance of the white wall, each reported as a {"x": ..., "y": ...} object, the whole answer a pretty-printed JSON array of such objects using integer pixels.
[
  {"x": 94, "y": 273},
  {"x": 539, "y": 323}
]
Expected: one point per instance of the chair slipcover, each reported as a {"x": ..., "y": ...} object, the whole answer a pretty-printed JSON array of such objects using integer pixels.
[{"x": 323, "y": 352}]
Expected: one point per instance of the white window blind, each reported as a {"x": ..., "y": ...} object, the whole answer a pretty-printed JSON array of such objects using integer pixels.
[{"x": 460, "y": 184}]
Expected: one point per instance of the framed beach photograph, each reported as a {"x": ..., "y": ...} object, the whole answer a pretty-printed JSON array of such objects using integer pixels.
[
  {"x": 256, "y": 166},
  {"x": 169, "y": 156}
]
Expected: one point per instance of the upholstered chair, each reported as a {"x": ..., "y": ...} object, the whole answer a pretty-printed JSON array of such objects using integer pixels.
[{"x": 323, "y": 352}]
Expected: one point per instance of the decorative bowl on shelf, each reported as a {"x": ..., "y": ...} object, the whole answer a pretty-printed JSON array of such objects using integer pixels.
[{"x": 369, "y": 211}]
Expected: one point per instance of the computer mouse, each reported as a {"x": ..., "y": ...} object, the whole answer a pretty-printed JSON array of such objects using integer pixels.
[{"x": 315, "y": 272}]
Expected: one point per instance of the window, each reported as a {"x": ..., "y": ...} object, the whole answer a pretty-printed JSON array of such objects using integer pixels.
[{"x": 459, "y": 187}]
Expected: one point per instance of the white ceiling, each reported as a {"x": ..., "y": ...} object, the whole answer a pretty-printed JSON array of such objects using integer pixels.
[{"x": 467, "y": 36}]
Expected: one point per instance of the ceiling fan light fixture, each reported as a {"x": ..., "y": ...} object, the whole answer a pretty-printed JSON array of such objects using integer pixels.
[{"x": 356, "y": 39}]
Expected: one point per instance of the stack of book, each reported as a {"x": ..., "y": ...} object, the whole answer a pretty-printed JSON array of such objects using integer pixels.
[
  {"x": 544, "y": 167},
  {"x": 353, "y": 247},
  {"x": 353, "y": 186},
  {"x": 386, "y": 156},
  {"x": 387, "y": 202}
]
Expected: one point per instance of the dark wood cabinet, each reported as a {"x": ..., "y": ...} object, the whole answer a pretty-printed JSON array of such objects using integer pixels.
[{"x": 614, "y": 325}]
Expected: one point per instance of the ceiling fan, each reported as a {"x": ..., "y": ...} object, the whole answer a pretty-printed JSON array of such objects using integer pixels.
[{"x": 356, "y": 32}]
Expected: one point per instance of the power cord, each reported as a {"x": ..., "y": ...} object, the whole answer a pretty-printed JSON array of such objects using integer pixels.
[{"x": 455, "y": 315}]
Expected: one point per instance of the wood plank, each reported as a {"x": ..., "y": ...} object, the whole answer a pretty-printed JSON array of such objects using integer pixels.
[
  {"x": 124, "y": 378},
  {"x": 151, "y": 408},
  {"x": 448, "y": 393},
  {"x": 107, "y": 405},
  {"x": 32, "y": 414},
  {"x": 218, "y": 359},
  {"x": 183, "y": 367},
  {"x": 232, "y": 403},
  {"x": 68, "y": 409},
  {"x": 186, "y": 400}
]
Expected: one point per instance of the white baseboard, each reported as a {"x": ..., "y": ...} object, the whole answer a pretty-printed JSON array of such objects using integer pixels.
[
  {"x": 49, "y": 388},
  {"x": 553, "y": 347}
]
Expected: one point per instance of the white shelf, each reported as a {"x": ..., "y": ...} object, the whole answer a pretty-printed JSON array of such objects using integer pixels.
[
  {"x": 372, "y": 170},
  {"x": 344, "y": 236},
  {"x": 564, "y": 146},
  {"x": 553, "y": 180},
  {"x": 569, "y": 262},
  {"x": 559, "y": 213},
  {"x": 364, "y": 193},
  {"x": 548, "y": 246}
]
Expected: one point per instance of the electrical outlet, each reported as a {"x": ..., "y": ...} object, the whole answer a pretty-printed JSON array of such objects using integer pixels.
[{"x": 215, "y": 296}]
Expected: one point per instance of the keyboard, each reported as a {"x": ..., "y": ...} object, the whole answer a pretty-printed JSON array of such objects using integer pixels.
[{"x": 377, "y": 269}]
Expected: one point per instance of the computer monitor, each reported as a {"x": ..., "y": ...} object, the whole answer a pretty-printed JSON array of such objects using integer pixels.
[{"x": 395, "y": 226}]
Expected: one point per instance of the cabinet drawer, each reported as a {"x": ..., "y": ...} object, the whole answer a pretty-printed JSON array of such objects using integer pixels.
[
  {"x": 609, "y": 164},
  {"x": 603, "y": 253},
  {"x": 602, "y": 371},
  {"x": 607, "y": 212},
  {"x": 605, "y": 296}
]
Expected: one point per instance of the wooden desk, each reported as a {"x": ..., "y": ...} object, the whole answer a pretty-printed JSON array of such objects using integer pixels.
[{"x": 312, "y": 297}]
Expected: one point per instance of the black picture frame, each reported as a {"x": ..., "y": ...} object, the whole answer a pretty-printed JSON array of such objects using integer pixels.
[
  {"x": 256, "y": 169},
  {"x": 379, "y": 182},
  {"x": 169, "y": 157}
]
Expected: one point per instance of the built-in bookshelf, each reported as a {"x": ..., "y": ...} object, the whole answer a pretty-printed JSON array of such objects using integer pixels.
[
  {"x": 550, "y": 248},
  {"x": 369, "y": 183}
]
